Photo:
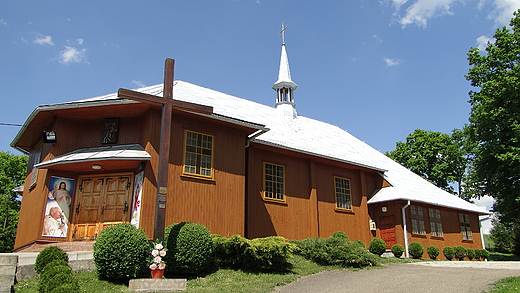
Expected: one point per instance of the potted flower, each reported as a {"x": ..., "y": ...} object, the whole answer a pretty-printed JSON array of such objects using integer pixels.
[{"x": 157, "y": 264}]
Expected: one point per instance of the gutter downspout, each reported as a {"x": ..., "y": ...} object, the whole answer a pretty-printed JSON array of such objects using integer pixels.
[
  {"x": 481, "y": 233},
  {"x": 405, "y": 229}
]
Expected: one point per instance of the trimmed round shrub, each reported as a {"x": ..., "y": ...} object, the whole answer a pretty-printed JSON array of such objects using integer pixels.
[
  {"x": 397, "y": 250},
  {"x": 433, "y": 251},
  {"x": 190, "y": 250},
  {"x": 416, "y": 250},
  {"x": 377, "y": 246},
  {"x": 460, "y": 252},
  {"x": 470, "y": 253},
  {"x": 48, "y": 255},
  {"x": 121, "y": 252},
  {"x": 49, "y": 273},
  {"x": 449, "y": 252}
]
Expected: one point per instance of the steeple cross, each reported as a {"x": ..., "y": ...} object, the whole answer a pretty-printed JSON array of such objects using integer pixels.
[{"x": 284, "y": 27}]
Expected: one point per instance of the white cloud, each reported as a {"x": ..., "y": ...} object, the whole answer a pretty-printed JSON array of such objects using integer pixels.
[
  {"x": 2, "y": 21},
  {"x": 391, "y": 62},
  {"x": 482, "y": 42},
  {"x": 72, "y": 55},
  {"x": 503, "y": 11},
  {"x": 41, "y": 39},
  {"x": 420, "y": 11},
  {"x": 138, "y": 83},
  {"x": 75, "y": 42}
]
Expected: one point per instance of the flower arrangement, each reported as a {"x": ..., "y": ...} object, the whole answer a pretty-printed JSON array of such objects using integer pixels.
[{"x": 158, "y": 252}]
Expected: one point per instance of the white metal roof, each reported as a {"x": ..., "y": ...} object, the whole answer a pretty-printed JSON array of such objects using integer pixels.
[
  {"x": 313, "y": 137},
  {"x": 113, "y": 152}
]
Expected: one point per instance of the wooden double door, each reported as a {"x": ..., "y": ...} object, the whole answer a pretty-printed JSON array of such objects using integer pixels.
[{"x": 101, "y": 201}]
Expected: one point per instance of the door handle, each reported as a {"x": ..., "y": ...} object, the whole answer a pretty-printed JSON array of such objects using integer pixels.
[
  {"x": 103, "y": 210},
  {"x": 125, "y": 209},
  {"x": 78, "y": 208}
]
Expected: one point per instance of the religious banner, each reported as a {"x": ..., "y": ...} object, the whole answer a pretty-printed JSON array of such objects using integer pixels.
[
  {"x": 57, "y": 209},
  {"x": 136, "y": 202}
]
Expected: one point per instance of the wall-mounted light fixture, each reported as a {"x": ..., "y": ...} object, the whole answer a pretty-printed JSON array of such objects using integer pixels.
[
  {"x": 96, "y": 167},
  {"x": 49, "y": 136},
  {"x": 384, "y": 209}
]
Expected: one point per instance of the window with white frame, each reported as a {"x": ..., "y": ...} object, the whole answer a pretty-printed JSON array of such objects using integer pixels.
[
  {"x": 274, "y": 181},
  {"x": 342, "y": 191},
  {"x": 198, "y": 155}
]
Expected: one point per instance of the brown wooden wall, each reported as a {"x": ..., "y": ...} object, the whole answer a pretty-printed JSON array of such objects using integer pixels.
[
  {"x": 309, "y": 210},
  {"x": 450, "y": 226},
  {"x": 217, "y": 203}
]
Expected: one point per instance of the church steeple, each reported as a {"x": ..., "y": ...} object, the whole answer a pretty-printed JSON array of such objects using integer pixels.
[{"x": 284, "y": 86}]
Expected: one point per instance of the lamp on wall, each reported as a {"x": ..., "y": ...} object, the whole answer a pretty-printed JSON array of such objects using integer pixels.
[
  {"x": 96, "y": 167},
  {"x": 49, "y": 136}
]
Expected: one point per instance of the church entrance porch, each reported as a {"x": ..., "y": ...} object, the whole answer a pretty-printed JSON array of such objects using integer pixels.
[{"x": 101, "y": 201}]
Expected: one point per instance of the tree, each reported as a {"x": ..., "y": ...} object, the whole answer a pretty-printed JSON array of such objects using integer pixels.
[
  {"x": 438, "y": 157},
  {"x": 12, "y": 174},
  {"x": 503, "y": 236},
  {"x": 495, "y": 119}
]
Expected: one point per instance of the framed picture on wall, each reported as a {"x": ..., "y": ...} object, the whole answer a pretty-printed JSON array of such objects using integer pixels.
[{"x": 110, "y": 130}]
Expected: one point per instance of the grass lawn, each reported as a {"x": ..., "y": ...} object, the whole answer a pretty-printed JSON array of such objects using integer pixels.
[{"x": 225, "y": 280}]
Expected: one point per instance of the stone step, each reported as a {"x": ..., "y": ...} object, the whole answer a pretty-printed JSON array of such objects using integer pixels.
[
  {"x": 7, "y": 270},
  {"x": 6, "y": 282}
]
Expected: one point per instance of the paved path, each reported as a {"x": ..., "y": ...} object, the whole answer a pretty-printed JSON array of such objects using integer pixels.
[{"x": 440, "y": 276}]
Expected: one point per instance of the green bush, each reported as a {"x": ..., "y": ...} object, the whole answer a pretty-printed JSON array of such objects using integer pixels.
[
  {"x": 121, "y": 252},
  {"x": 416, "y": 250},
  {"x": 336, "y": 251},
  {"x": 397, "y": 250},
  {"x": 433, "y": 251},
  {"x": 190, "y": 250},
  {"x": 56, "y": 275},
  {"x": 340, "y": 234},
  {"x": 460, "y": 252},
  {"x": 47, "y": 255},
  {"x": 377, "y": 246},
  {"x": 470, "y": 253},
  {"x": 484, "y": 254},
  {"x": 358, "y": 243},
  {"x": 269, "y": 254},
  {"x": 260, "y": 254},
  {"x": 449, "y": 252}
]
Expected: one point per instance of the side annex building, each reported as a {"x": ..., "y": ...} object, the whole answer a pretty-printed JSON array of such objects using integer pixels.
[{"x": 233, "y": 165}]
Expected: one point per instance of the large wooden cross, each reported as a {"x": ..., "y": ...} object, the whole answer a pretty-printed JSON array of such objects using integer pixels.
[{"x": 168, "y": 104}]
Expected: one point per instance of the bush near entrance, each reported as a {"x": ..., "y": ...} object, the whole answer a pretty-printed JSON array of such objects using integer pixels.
[
  {"x": 377, "y": 246},
  {"x": 416, "y": 250}
]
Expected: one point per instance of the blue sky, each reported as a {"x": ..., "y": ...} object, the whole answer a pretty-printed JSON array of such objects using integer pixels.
[{"x": 378, "y": 69}]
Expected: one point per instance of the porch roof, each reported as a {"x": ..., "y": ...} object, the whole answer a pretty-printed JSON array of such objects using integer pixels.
[{"x": 120, "y": 153}]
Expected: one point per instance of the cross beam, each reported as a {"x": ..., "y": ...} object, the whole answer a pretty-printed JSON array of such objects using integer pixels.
[{"x": 168, "y": 104}]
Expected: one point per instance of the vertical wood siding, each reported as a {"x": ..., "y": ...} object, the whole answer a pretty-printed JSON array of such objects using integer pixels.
[{"x": 450, "y": 226}]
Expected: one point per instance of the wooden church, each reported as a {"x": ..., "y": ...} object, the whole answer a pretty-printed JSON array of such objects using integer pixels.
[{"x": 178, "y": 152}]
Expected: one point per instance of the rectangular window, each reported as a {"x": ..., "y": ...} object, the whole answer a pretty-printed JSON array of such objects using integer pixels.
[
  {"x": 198, "y": 158},
  {"x": 417, "y": 220},
  {"x": 274, "y": 178},
  {"x": 435, "y": 222},
  {"x": 465, "y": 227},
  {"x": 342, "y": 191}
]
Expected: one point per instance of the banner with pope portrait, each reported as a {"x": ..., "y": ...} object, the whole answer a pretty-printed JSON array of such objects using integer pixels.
[{"x": 57, "y": 209}]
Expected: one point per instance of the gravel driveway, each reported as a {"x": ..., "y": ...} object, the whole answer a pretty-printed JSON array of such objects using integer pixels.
[{"x": 439, "y": 276}]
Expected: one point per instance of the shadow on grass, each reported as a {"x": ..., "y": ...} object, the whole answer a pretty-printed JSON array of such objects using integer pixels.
[{"x": 497, "y": 256}]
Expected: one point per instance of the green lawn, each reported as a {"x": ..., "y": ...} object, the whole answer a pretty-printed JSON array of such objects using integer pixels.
[
  {"x": 220, "y": 281},
  {"x": 238, "y": 281}
]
